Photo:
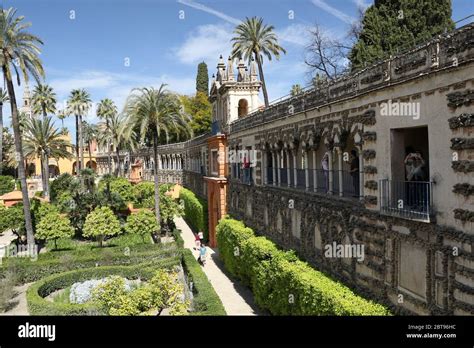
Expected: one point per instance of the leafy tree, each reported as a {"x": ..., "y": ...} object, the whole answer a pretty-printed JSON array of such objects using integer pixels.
[
  {"x": 7, "y": 184},
  {"x": 156, "y": 113},
  {"x": 142, "y": 223},
  {"x": 62, "y": 184},
  {"x": 142, "y": 193},
  {"x": 19, "y": 50},
  {"x": 91, "y": 134},
  {"x": 117, "y": 185},
  {"x": 390, "y": 26},
  {"x": 295, "y": 90},
  {"x": 101, "y": 223},
  {"x": 202, "y": 79},
  {"x": 200, "y": 109},
  {"x": 254, "y": 39},
  {"x": 8, "y": 162},
  {"x": 53, "y": 226},
  {"x": 12, "y": 218}
]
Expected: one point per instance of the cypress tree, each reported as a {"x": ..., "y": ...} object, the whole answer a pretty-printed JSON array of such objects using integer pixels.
[
  {"x": 202, "y": 79},
  {"x": 391, "y": 26}
]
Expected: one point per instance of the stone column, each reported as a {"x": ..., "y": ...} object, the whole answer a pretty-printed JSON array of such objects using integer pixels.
[
  {"x": 295, "y": 166},
  {"x": 288, "y": 164},
  {"x": 264, "y": 167},
  {"x": 306, "y": 168},
  {"x": 278, "y": 155},
  {"x": 315, "y": 173},
  {"x": 274, "y": 164},
  {"x": 339, "y": 164},
  {"x": 330, "y": 191}
]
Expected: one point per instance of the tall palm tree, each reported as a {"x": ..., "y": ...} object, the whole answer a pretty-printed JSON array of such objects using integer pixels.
[
  {"x": 44, "y": 103},
  {"x": 120, "y": 134},
  {"x": 106, "y": 109},
  {"x": 156, "y": 113},
  {"x": 79, "y": 104},
  {"x": 254, "y": 40},
  {"x": 91, "y": 134},
  {"x": 19, "y": 50},
  {"x": 3, "y": 99},
  {"x": 61, "y": 115},
  {"x": 43, "y": 100},
  {"x": 43, "y": 140}
]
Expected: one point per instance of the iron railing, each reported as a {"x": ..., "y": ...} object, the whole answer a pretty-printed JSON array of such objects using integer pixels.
[{"x": 407, "y": 199}]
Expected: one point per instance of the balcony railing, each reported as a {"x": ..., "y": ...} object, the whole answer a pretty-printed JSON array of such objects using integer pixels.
[
  {"x": 316, "y": 180},
  {"x": 407, "y": 199}
]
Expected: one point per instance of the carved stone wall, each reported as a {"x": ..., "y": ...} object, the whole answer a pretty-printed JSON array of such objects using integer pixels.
[{"x": 411, "y": 266}]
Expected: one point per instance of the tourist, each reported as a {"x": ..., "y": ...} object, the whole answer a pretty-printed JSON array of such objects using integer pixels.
[
  {"x": 355, "y": 172},
  {"x": 201, "y": 237},
  {"x": 197, "y": 241},
  {"x": 415, "y": 176},
  {"x": 325, "y": 166},
  {"x": 202, "y": 254}
]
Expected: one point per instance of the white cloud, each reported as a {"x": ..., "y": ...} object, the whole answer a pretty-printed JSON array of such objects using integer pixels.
[
  {"x": 333, "y": 11},
  {"x": 297, "y": 34},
  {"x": 205, "y": 43}
]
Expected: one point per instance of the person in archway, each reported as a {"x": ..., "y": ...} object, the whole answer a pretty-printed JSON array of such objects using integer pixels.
[
  {"x": 355, "y": 172},
  {"x": 325, "y": 166}
]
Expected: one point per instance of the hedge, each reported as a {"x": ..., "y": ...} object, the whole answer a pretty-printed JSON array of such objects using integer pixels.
[
  {"x": 29, "y": 271},
  {"x": 282, "y": 283},
  {"x": 36, "y": 293},
  {"x": 195, "y": 212},
  {"x": 206, "y": 301}
]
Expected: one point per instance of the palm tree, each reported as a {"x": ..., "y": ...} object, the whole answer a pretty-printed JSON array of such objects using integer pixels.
[
  {"x": 19, "y": 50},
  {"x": 156, "y": 113},
  {"x": 43, "y": 100},
  {"x": 254, "y": 40},
  {"x": 106, "y": 110},
  {"x": 43, "y": 140},
  {"x": 79, "y": 104},
  {"x": 44, "y": 103},
  {"x": 3, "y": 99},
  {"x": 91, "y": 134},
  {"x": 120, "y": 134},
  {"x": 61, "y": 116}
]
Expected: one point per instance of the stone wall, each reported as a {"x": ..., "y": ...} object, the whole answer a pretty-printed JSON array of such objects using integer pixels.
[{"x": 412, "y": 266}]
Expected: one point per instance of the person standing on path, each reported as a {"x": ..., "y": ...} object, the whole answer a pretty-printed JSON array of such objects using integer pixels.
[
  {"x": 202, "y": 254},
  {"x": 197, "y": 241},
  {"x": 201, "y": 237}
]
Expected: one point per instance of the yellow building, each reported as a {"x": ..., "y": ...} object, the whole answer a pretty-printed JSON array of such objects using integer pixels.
[{"x": 62, "y": 165}]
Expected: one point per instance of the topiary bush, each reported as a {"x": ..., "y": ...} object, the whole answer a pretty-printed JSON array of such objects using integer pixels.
[
  {"x": 195, "y": 212},
  {"x": 142, "y": 223},
  {"x": 53, "y": 226},
  {"x": 101, "y": 223},
  {"x": 282, "y": 283},
  {"x": 7, "y": 184}
]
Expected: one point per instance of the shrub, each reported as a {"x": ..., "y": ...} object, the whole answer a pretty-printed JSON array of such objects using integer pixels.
[
  {"x": 53, "y": 226},
  {"x": 206, "y": 301},
  {"x": 101, "y": 223},
  {"x": 65, "y": 183},
  {"x": 144, "y": 195},
  {"x": 118, "y": 185},
  {"x": 195, "y": 212},
  {"x": 7, "y": 184},
  {"x": 142, "y": 223},
  {"x": 12, "y": 218},
  {"x": 275, "y": 275}
]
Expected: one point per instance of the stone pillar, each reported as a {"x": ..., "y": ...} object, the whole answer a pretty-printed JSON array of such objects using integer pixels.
[
  {"x": 278, "y": 155},
  {"x": 306, "y": 168},
  {"x": 288, "y": 164},
  {"x": 330, "y": 172},
  {"x": 274, "y": 179},
  {"x": 295, "y": 166},
  {"x": 264, "y": 167},
  {"x": 315, "y": 173},
  {"x": 339, "y": 164}
]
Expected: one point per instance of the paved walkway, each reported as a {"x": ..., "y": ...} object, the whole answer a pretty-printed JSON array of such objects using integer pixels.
[{"x": 237, "y": 299}]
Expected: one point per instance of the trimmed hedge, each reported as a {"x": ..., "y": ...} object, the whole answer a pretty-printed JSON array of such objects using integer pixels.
[
  {"x": 282, "y": 283},
  {"x": 36, "y": 293},
  {"x": 206, "y": 301},
  {"x": 195, "y": 212},
  {"x": 28, "y": 270}
]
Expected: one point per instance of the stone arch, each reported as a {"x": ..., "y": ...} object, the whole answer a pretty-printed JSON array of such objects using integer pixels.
[{"x": 243, "y": 108}]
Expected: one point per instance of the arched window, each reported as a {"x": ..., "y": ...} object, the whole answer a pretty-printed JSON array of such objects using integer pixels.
[{"x": 243, "y": 107}]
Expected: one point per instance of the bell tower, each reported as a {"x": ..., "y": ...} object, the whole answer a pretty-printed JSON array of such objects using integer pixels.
[{"x": 233, "y": 94}]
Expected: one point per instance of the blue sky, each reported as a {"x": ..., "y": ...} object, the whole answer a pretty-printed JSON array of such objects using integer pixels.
[{"x": 91, "y": 50}]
